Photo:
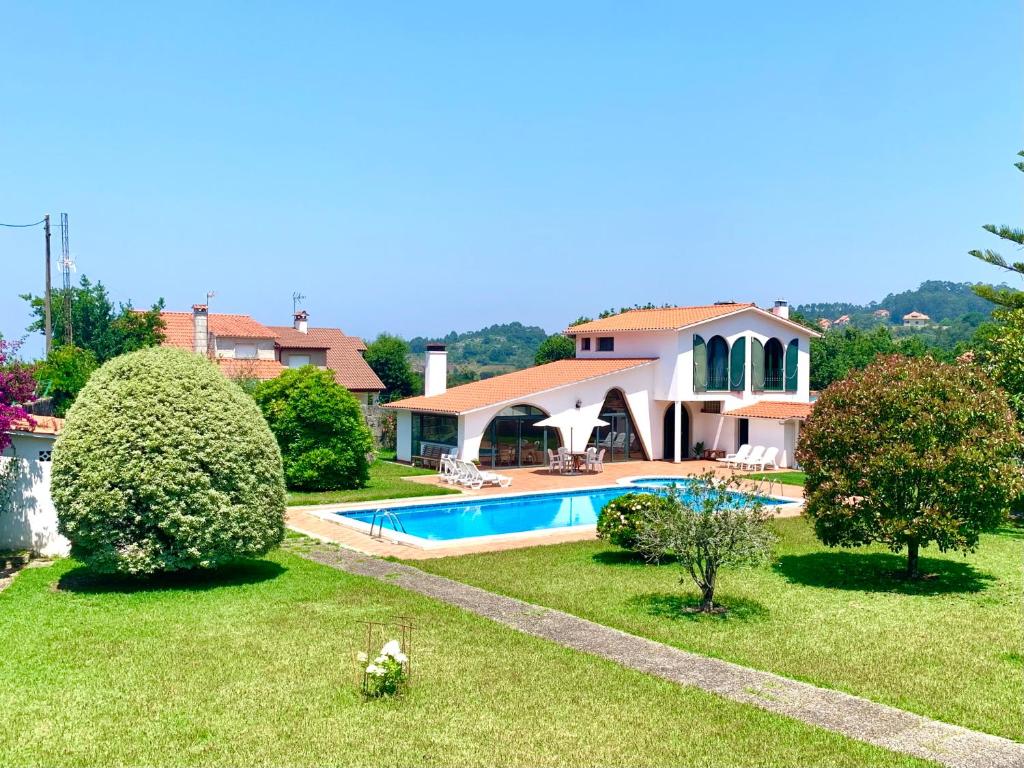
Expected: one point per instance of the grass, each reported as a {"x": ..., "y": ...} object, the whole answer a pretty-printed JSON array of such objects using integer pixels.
[
  {"x": 254, "y": 665},
  {"x": 788, "y": 477},
  {"x": 949, "y": 647},
  {"x": 385, "y": 483}
]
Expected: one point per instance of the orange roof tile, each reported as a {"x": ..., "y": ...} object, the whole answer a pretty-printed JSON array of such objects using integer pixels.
[
  {"x": 178, "y": 328},
  {"x": 39, "y": 425},
  {"x": 668, "y": 319},
  {"x": 518, "y": 384},
  {"x": 343, "y": 355},
  {"x": 773, "y": 409}
]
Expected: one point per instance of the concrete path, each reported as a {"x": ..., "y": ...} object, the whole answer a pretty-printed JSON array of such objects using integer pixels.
[{"x": 849, "y": 715}]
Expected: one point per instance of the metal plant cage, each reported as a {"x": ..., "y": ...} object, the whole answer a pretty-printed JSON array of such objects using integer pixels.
[{"x": 375, "y": 635}]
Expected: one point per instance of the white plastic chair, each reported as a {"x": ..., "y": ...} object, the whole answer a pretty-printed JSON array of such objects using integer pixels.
[
  {"x": 752, "y": 458},
  {"x": 476, "y": 479},
  {"x": 737, "y": 458},
  {"x": 591, "y": 458},
  {"x": 769, "y": 457},
  {"x": 598, "y": 463},
  {"x": 554, "y": 462}
]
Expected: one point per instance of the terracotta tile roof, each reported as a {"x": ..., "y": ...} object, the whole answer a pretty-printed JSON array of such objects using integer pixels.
[
  {"x": 178, "y": 329},
  {"x": 915, "y": 315},
  {"x": 518, "y": 384},
  {"x": 43, "y": 425},
  {"x": 250, "y": 369},
  {"x": 773, "y": 409},
  {"x": 665, "y": 319},
  {"x": 343, "y": 355}
]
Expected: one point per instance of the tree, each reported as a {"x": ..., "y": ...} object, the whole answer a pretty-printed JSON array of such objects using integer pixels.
[
  {"x": 712, "y": 527},
  {"x": 1004, "y": 297},
  {"x": 63, "y": 374},
  {"x": 17, "y": 387},
  {"x": 388, "y": 356},
  {"x": 907, "y": 452},
  {"x": 320, "y": 428},
  {"x": 555, "y": 347},
  {"x": 999, "y": 351},
  {"x": 99, "y": 327},
  {"x": 165, "y": 465}
]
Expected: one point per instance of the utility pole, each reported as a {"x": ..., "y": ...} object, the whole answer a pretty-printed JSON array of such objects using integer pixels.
[{"x": 48, "y": 326}]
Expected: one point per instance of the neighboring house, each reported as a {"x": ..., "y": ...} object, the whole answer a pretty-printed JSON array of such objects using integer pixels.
[
  {"x": 882, "y": 314},
  {"x": 916, "y": 320},
  {"x": 664, "y": 380},
  {"x": 824, "y": 323},
  {"x": 245, "y": 348},
  {"x": 842, "y": 320},
  {"x": 28, "y": 519}
]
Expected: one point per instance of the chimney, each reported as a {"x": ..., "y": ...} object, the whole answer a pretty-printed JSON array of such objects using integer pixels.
[
  {"x": 781, "y": 309},
  {"x": 200, "y": 329},
  {"x": 300, "y": 321},
  {"x": 435, "y": 375}
]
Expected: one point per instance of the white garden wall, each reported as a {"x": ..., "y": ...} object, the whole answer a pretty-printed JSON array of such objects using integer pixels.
[{"x": 28, "y": 519}]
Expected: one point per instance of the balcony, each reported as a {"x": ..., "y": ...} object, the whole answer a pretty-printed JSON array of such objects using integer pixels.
[
  {"x": 718, "y": 380},
  {"x": 774, "y": 382}
]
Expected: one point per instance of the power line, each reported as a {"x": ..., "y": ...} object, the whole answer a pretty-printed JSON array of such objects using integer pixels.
[{"x": 20, "y": 226}]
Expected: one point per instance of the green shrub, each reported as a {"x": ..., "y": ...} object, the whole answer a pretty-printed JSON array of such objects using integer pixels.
[
  {"x": 620, "y": 518},
  {"x": 164, "y": 465},
  {"x": 321, "y": 430}
]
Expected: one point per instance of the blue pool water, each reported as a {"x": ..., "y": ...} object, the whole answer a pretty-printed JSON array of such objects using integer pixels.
[{"x": 491, "y": 516}]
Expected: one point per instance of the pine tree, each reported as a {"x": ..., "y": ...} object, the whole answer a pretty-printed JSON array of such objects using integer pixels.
[{"x": 1004, "y": 297}]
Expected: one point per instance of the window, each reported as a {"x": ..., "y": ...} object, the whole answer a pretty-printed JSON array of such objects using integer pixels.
[
  {"x": 245, "y": 351},
  {"x": 45, "y": 455},
  {"x": 618, "y": 439},
  {"x": 718, "y": 364},
  {"x": 711, "y": 406},
  {"x": 513, "y": 439},
  {"x": 585, "y": 344},
  {"x": 297, "y": 361},
  {"x": 774, "y": 357},
  {"x": 433, "y": 428},
  {"x": 605, "y": 343}
]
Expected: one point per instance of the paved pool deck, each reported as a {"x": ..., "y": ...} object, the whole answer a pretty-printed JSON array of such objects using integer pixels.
[{"x": 311, "y": 520}]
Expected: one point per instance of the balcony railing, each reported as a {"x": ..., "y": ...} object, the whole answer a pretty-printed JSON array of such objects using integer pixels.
[
  {"x": 774, "y": 382},
  {"x": 718, "y": 381}
]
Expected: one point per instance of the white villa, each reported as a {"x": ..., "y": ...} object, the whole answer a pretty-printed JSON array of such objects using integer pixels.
[{"x": 664, "y": 379}]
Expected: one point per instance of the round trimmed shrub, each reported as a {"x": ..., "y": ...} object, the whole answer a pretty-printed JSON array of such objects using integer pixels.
[
  {"x": 165, "y": 465},
  {"x": 621, "y": 517},
  {"x": 320, "y": 427}
]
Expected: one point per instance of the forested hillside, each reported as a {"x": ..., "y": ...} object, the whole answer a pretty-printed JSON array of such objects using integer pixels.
[{"x": 491, "y": 350}]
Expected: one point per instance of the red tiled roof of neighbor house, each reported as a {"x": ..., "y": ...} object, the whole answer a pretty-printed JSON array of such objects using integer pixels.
[
  {"x": 179, "y": 329},
  {"x": 518, "y": 384},
  {"x": 915, "y": 315},
  {"x": 39, "y": 425},
  {"x": 670, "y": 319},
  {"x": 343, "y": 355},
  {"x": 773, "y": 409}
]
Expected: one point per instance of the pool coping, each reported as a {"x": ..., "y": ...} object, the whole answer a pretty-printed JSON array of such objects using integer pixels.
[{"x": 338, "y": 514}]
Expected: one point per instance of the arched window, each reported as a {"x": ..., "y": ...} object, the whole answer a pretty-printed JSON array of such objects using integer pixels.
[
  {"x": 512, "y": 439},
  {"x": 618, "y": 439},
  {"x": 718, "y": 364},
  {"x": 774, "y": 366}
]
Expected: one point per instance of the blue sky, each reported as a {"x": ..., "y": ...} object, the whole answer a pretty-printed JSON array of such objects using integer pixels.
[{"x": 423, "y": 167}]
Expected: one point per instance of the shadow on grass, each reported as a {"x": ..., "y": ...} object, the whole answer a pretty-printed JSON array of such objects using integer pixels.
[
  {"x": 626, "y": 558},
  {"x": 85, "y": 581},
  {"x": 1012, "y": 530},
  {"x": 880, "y": 572},
  {"x": 665, "y": 605}
]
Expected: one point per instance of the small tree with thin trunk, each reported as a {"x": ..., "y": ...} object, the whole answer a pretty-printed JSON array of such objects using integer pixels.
[
  {"x": 710, "y": 527},
  {"x": 910, "y": 452}
]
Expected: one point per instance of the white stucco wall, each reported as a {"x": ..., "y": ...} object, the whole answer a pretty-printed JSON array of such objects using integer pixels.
[
  {"x": 225, "y": 347},
  {"x": 403, "y": 435},
  {"x": 28, "y": 519}
]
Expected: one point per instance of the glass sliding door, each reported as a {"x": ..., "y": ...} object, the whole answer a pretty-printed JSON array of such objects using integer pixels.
[
  {"x": 513, "y": 439},
  {"x": 618, "y": 439}
]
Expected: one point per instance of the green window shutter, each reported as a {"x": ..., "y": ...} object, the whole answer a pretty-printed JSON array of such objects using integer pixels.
[
  {"x": 756, "y": 365},
  {"x": 738, "y": 365},
  {"x": 792, "y": 355},
  {"x": 700, "y": 364}
]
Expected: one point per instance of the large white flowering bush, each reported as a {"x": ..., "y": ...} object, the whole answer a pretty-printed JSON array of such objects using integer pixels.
[
  {"x": 165, "y": 465},
  {"x": 621, "y": 517}
]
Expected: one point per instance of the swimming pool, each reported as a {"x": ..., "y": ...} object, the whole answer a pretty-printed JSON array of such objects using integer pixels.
[{"x": 507, "y": 515}]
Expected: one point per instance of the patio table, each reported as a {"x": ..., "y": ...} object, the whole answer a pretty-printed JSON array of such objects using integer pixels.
[{"x": 578, "y": 459}]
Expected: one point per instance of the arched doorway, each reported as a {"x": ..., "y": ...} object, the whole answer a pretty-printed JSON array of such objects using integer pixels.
[
  {"x": 512, "y": 439},
  {"x": 619, "y": 440},
  {"x": 669, "y": 432}
]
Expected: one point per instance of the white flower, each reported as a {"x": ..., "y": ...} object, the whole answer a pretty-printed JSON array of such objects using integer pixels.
[
  {"x": 372, "y": 669},
  {"x": 400, "y": 657},
  {"x": 381, "y": 659},
  {"x": 362, "y": 656},
  {"x": 391, "y": 648}
]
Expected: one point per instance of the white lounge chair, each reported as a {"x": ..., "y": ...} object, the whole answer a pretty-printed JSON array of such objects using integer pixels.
[
  {"x": 449, "y": 468},
  {"x": 736, "y": 458},
  {"x": 770, "y": 456},
  {"x": 476, "y": 479},
  {"x": 753, "y": 457}
]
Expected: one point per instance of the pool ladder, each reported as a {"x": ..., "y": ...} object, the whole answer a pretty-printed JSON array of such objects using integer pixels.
[
  {"x": 382, "y": 515},
  {"x": 760, "y": 490}
]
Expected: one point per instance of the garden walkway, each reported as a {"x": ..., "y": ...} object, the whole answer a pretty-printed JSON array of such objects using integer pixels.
[{"x": 851, "y": 716}]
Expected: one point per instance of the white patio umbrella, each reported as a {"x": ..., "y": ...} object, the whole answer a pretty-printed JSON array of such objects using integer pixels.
[{"x": 574, "y": 421}]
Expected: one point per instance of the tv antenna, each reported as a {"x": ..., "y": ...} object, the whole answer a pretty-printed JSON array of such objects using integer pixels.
[
  {"x": 296, "y": 298},
  {"x": 67, "y": 266}
]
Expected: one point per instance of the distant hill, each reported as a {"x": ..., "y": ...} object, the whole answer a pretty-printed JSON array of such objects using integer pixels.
[
  {"x": 955, "y": 310},
  {"x": 489, "y": 351}
]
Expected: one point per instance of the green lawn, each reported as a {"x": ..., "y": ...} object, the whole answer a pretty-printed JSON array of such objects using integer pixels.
[
  {"x": 950, "y": 648},
  {"x": 789, "y": 477},
  {"x": 385, "y": 483},
  {"x": 256, "y": 666}
]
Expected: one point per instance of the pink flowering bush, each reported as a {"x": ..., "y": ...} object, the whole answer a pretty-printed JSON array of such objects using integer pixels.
[{"x": 16, "y": 388}]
